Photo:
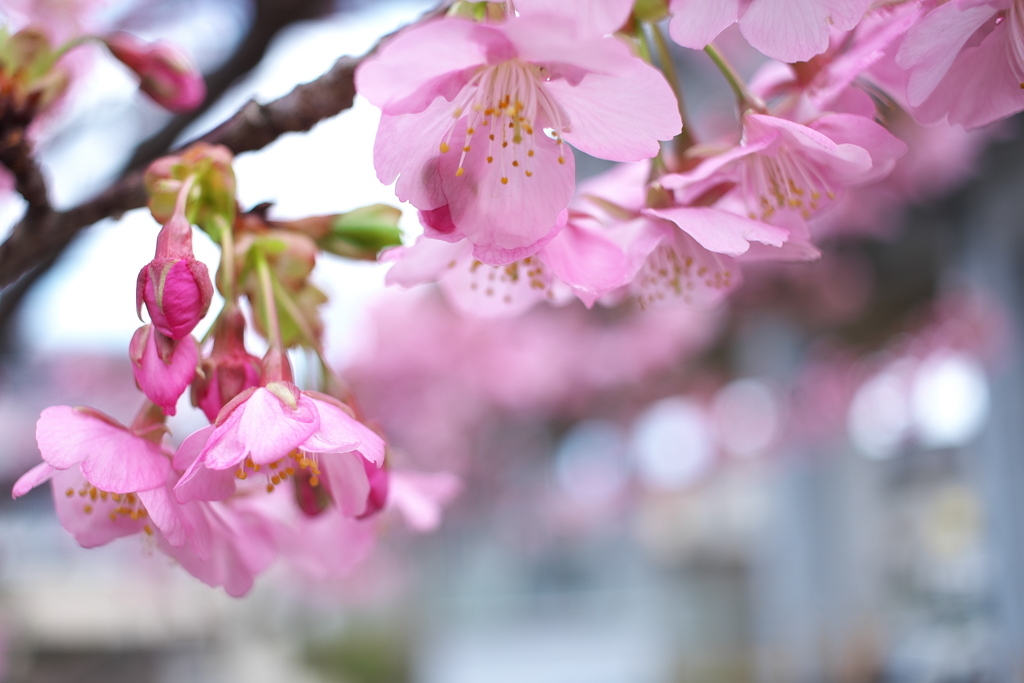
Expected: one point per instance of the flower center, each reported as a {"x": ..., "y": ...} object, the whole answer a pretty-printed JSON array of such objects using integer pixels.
[
  {"x": 117, "y": 505},
  {"x": 504, "y": 282},
  {"x": 782, "y": 180},
  {"x": 509, "y": 104},
  {"x": 280, "y": 470},
  {"x": 667, "y": 272}
]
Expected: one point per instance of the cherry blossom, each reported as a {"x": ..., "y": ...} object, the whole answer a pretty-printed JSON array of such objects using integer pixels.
[{"x": 479, "y": 126}]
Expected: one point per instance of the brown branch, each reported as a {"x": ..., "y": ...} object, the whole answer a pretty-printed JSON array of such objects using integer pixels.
[
  {"x": 37, "y": 236},
  {"x": 16, "y": 155},
  {"x": 40, "y": 235}
]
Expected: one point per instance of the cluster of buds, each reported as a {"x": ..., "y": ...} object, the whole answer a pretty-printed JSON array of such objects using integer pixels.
[{"x": 280, "y": 471}]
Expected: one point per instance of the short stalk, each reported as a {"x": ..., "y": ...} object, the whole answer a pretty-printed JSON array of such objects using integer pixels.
[
  {"x": 685, "y": 139},
  {"x": 271, "y": 323},
  {"x": 744, "y": 98},
  {"x": 227, "y": 259}
]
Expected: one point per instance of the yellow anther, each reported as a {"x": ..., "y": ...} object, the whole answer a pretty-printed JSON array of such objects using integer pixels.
[
  {"x": 530, "y": 153},
  {"x": 270, "y": 488},
  {"x": 460, "y": 172},
  {"x": 87, "y": 509},
  {"x": 444, "y": 147},
  {"x": 466, "y": 148},
  {"x": 504, "y": 181},
  {"x": 561, "y": 160},
  {"x": 148, "y": 529},
  {"x": 69, "y": 493},
  {"x": 515, "y": 163},
  {"x": 490, "y": 160},
  {"x": 470, "y": 131},
  {"x": 275, "y": 479},
  {"x": 314, "y": 480},
  {"x": 529, "y": 174}
]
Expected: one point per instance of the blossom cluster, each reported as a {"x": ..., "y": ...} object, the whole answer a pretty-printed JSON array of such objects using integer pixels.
[
  {"x": 479, "y": 108},
  {"x": 280, "y": 471}
]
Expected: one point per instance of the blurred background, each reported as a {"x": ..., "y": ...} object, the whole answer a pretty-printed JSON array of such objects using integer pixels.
[{"x": 820, "y": 481}]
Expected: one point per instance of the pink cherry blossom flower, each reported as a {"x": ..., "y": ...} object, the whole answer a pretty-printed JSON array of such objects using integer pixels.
[
  {"x": 785, "y": 168},
  {"x": 167, "y": 75},
  {"x": 579, "y": 260},
  {"x": 420, "y": 496},
  {"x": 786, "y": 30},
  {"x": 965, "y": 60},
  {"x": 163, "y": 368},
  {"x": 475, "y": 115},
  {"x": 281, "y": 433},
  {"x": 175, "y": 287},
  {"x": 112, "y": 458}
]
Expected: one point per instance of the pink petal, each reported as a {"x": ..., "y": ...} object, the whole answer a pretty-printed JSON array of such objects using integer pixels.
[
  {"x": 504, "y": 219},
  {"x": 203, "y": 483},
  {"x": 163, "y": 383},
  {"x": 420, "y": 496},
  {"x": 979, "y": 88},
  {"x": 434, "y": 59},
  {"x": 425, "y": 261},
  {"x": 883, "y": 147},
  {"x": 112, "y": 458},
  {"x": 695, "y": 23},
  {"x": 407, "y": 148},
  {"x": 190, "y": 448},
  {"x": 271, "y": 430},
  {"x": 165, "y": 513},
  {"x": 620, "y": 116},
  {"x": 796, "y": 30},
  {"x": 585, "y": 260},
  {"x": 31, "y": 479},
  {"x": 587, "y": 17},
  {"x": 720, "y": 231},
  {"x": 931, "y": 47},
  {"x": 347, "y": 482},
  {"x": 339, "y": 432},
  {"x": 87, "y": 520}
]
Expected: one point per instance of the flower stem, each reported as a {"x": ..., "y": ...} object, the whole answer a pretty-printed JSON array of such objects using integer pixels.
[
  {"x": 685, "y": 139},
  {"x": 227, "y": 259},
  {"x": 271, "y": 323},
  {"x": 744, "y": 98}
]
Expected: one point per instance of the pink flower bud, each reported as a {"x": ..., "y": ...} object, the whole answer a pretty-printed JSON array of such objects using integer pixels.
[
  {"x": 228, "y": 371},
  {"x": 175, "y": 286},
  {"x": 167, "y": 75},
  {"x": 163, "y": 367}
]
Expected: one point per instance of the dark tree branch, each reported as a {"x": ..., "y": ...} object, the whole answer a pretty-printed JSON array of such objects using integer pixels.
[
  {"x": 16, "y": 155},
  {"x": 41, "y": 235}
]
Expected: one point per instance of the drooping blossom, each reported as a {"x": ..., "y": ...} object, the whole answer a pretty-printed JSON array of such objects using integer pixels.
[
  {"x": 279, "y": 433},
  {"x": 175, "y": 287},
  {"x": 163, "y": 367},
  {"x": 782, "y": 167},
  {"x": 965, "y": 60},
  {"x": 229, "y": 370},
  {"x": 475, "y": 117},
  {"x": 786, "y": 30},
  {"x": 579, "y": 260},
  {"x": 166, "y": 74}
]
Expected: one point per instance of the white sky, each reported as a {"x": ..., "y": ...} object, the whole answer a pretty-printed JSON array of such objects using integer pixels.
[{"x": 89, "y": 301}]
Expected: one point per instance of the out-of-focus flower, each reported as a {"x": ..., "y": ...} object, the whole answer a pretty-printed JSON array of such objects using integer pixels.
[
  {"x": 966, "y": 62},
  {"x": 163, "y": 367},
  {"x": 166, "y": 74},
  {"x": 787, "y": 30}
]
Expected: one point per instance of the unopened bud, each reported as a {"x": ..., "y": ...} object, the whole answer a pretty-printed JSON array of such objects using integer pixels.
[{"x": 166, "y": 74}]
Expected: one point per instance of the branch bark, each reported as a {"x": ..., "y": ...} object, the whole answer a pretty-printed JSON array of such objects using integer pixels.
[{"x": 39, "y": 236}]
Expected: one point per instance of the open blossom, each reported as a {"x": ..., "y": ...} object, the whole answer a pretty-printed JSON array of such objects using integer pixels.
[
  {"x": 783, "y": 167},
  {"x": 475, "y": 117},
  {"x": 786, "y": 30},
  {"x": 965, "y": 60},
  {"x": 578, "y": 260},
  {"x": 277, "y": 433}
]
